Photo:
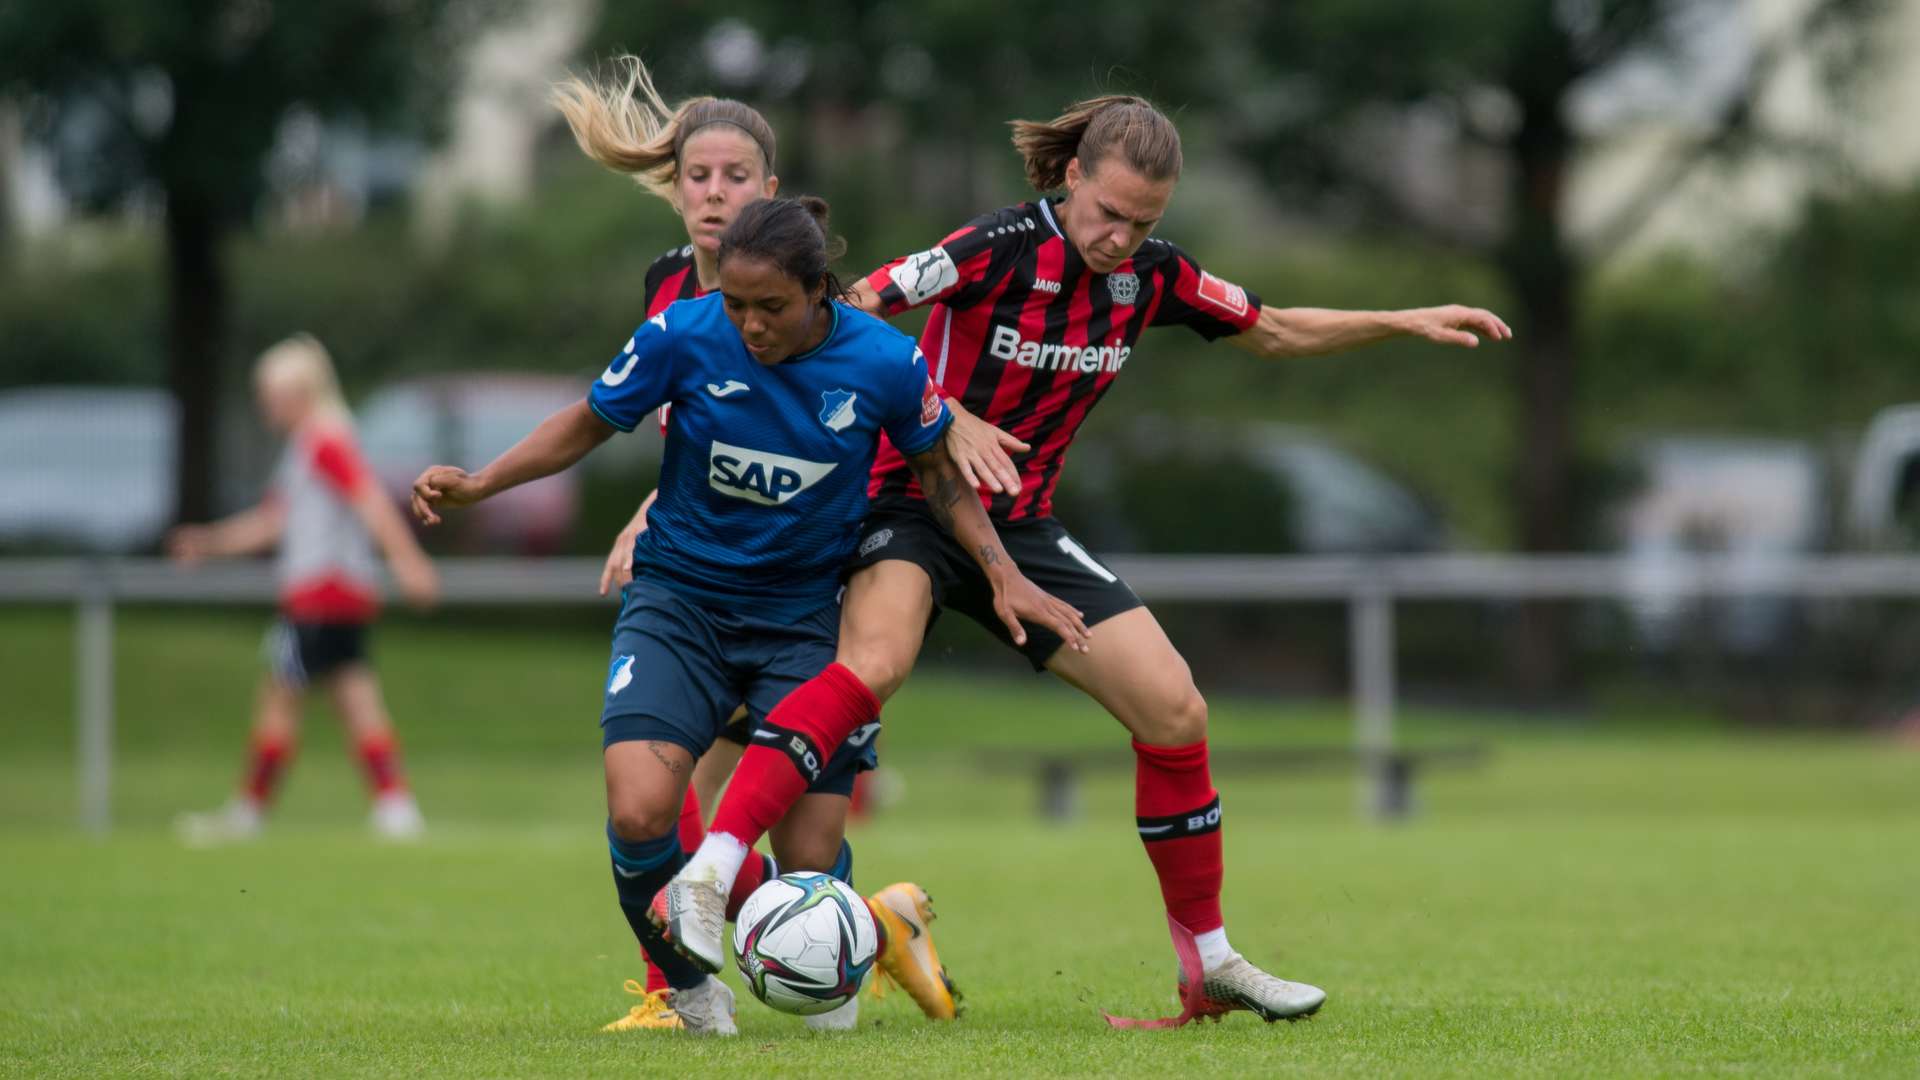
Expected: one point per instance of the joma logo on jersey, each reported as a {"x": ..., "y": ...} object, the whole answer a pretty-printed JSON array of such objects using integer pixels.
[
  {"x": 760, "y": 477},
  {"x": 1007, "y": 345}
]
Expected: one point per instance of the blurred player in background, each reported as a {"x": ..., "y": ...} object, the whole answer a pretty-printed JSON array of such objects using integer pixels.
[
  {"x": 1037, "y": 308},
  {"x": 325, "y": 512},
  {"x": 780, "y": 395},
  {"x": 708, "y": 158}
]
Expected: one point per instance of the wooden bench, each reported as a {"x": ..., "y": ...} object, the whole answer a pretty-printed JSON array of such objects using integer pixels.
[{"x": 1058, "y": 771}]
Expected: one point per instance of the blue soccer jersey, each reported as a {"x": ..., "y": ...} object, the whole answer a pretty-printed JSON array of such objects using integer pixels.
[{"x": 764, "y": 479}]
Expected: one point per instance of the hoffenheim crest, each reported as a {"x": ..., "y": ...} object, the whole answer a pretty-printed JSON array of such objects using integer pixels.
[
  {"x": 1124, "y": 287},
  {"x": 836, "y": 410}
]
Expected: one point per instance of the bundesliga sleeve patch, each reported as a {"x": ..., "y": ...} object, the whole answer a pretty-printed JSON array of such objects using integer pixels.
[
  {"x": 1224, "y": 296},
  {"x": 929, "y": 405},
  {"x": 922, "y": 277}
]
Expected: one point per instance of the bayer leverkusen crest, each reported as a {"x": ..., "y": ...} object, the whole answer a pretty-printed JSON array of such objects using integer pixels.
[{"x": 1124, "y": 287}]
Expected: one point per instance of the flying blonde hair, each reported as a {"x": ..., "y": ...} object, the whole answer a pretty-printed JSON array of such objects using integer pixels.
[{"x": 626, "y": 126}]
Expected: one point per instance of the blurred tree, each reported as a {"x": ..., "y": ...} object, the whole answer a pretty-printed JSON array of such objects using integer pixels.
[
  {"x": 1350, "y": 109},
  {"x": 1349, "y": 87},
  {"x": 183, "y": 101}
]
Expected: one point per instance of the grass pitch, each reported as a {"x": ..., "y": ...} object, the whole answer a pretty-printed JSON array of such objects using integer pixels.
[{"x": 1612, "y": 899}]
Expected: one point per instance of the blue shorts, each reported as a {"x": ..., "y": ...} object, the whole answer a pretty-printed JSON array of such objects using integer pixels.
[{"x": 679, "y": 669}]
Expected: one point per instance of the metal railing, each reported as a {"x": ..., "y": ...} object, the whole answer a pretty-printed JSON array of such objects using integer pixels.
[{"x": 1368, "y": 587}]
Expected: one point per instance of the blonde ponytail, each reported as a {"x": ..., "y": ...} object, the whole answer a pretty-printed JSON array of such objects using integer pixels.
[{"x": 626, "y": 126}]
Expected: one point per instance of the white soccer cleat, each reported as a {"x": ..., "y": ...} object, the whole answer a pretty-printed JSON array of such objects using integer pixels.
[
  {"x": 1237, "y": 984},
  {"x": 692, "y": 915},
  {"x": 397, "y": 817},
  {"x": 239, "y": 821},
  {"x": 706, "y": 1009},
  {"x": 844, "y": 1018}
]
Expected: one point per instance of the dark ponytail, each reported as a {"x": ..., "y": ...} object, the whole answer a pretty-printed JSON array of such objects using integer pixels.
[
  {"x": 790, "y": 233},
  {"x": 1094, "y": 129}
]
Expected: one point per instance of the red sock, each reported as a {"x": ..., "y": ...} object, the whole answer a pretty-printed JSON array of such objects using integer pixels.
[
  {"x": 380, "y": 757},
  {"x": 266, "y": 760},
  {"x": 809, "y": 725},
  {"x": 753, "y": 874},
  {"x": 1179, "y": 817},
  {"x": 692, "y": 831},
  {"x": 656, "y": 979}
]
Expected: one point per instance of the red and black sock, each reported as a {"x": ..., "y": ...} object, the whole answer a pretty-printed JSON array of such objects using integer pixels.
[
  {"x": 1178, "y": 813},
  {"x": 380, "y": 759},
  {"x": 267, "y": 761},
  {"x": 790, "y": 749}
]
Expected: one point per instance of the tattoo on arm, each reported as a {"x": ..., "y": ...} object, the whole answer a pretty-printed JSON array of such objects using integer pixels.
[
  {"x": 945, "y": 493},
  {"x": 674, "y": 767},
  {"x": 989, "y": 555}
]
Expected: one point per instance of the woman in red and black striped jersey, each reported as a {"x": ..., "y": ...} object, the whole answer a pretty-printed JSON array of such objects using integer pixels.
[
  {"x": 1036, "y": 312},
  {"x": 708, "y": 158}
]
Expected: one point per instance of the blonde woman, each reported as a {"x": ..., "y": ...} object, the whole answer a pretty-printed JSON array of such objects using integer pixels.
[{"x": 326, "y": 514}]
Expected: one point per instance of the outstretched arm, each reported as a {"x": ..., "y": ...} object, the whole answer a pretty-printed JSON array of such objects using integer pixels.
[
  {"x": 412, "y": 571},
  {"x": 559, "y": 441},
  {"x": 958, "y": 510},
  {"x": 249, "y": 532},
  {"x": 1287, "y": 332}
]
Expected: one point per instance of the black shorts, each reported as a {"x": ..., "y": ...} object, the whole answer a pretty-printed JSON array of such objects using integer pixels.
[
  {"x": 300, "y": 652},
  {"x": 1041, "y": 547}
]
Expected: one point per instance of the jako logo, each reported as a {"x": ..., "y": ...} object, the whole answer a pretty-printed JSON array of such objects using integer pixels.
[
  {"x": 760, "y": 477},
  {"x": 1006, "y": 345},
  {"x": 1046, "y": 286}
]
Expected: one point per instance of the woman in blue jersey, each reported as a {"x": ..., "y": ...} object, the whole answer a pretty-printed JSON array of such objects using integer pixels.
[
  {"x": 708, "y": 158},
  {"x": 780, "y": 394}
]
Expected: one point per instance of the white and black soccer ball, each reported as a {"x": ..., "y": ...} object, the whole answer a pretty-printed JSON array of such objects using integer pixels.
[{"x": 805, "y": 943}]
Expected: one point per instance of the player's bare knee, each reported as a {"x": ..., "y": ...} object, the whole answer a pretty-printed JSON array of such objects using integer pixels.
[
  {"x": 637, "y": 821},
  {"x": 1180, "y": 720},
  {"x": 880, "y": 667}
]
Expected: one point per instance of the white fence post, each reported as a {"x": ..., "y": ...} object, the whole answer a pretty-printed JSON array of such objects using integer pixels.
[
  {"x": 93, "y": 701},
  {"x": 1370, "y": 629}
]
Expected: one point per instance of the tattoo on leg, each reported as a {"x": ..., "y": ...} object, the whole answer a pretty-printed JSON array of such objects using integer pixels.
[{"x": 675, "y": 767}]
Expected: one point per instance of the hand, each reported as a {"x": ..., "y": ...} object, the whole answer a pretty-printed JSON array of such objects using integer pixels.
[
  {"x": 189, "y": 544},
  {"x": 980, "y": 450},
  {"x": 1454, "y": 324},
  {"x": 418, "y": 581},
  {"x": 619, "y": 568},
  {"x": 1016, "y": 599},
  {"x": 444, "y": 487}
]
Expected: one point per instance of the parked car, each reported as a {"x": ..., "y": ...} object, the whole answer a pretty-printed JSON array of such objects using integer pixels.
[
  {"x": 86, "y": 468},
  {"x": 92, "y": 468},
  {"x": 1164, "y": 486},
  {"x": 468, "y": 420}
]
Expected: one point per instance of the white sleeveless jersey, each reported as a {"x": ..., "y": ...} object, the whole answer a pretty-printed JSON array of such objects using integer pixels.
[{"x": 326, "y": 570}]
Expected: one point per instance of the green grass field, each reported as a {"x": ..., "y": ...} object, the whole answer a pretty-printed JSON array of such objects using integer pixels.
[{"x": 1623, "y": 896}]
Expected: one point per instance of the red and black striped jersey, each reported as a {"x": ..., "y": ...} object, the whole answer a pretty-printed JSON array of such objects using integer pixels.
[
  {"x": 1028, "y": 338},
  {"x": 672, "y": 276}
]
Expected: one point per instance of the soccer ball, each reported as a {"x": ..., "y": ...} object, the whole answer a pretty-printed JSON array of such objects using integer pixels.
[{"x": 804, "y": 943}]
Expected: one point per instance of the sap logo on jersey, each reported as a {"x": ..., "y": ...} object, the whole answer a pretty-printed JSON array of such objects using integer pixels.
[
  {"x": 1007, "y": 345},
  {"x": 760, "y": 477}
]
